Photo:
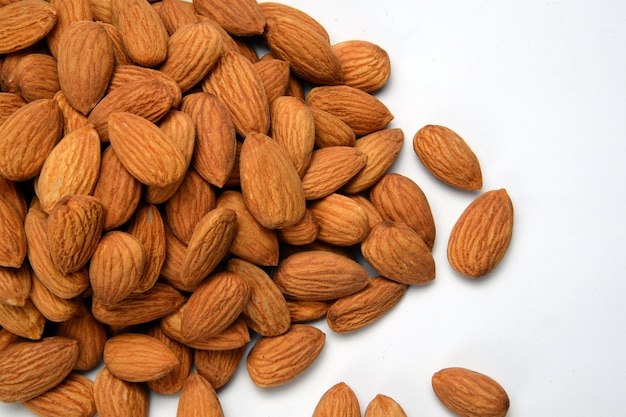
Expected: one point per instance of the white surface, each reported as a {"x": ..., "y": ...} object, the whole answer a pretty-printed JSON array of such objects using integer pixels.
[{"x": 537, "y": 88}]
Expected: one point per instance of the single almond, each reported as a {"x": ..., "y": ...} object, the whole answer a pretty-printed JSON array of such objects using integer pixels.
[
  {"x": 13, "y": 242},
  {"x": 173, "y": 381},
  {"x": 72, "y": 118},
  {"x": 330, "y": 130},
  {"x": 218, "y": 366},
  {"x": 274, "y": 74},
  {"x": 448, "y": 157},
  {"x": 198, "y": 398},
  {"x": 128, "y": 73},
  {"x": 274, "y": 11},
  {"x": 24, "y": 24},
  {"x": 330, "y": 169},
  {"x": 51, "y": 306},
  {"x": 384, "y": 406},
  {"x": 341, "y": 220},
  {"x": 9, "y": 103},
  {"x": 115, "y": 397},
  {"x": 373, "y": 215},
  {"x": 176, "y": 14},
  {"x": 338, "y": 401},
  {"x": 301, "y": 233},
  {"x": 36, "y": 77},
  {"x": 72, "y": 397},
  {"x": 306, "y": 311},
  {"x": 239, "y": 17},
  {"x": 482, "y": 234},
  {"x": 365, "y": 65},
  {"x": 68, "y": 12},
  {"x": 25, "y": 321},
  {"x": 119, "y": 49},
  {"x": 15, "y": 285}
]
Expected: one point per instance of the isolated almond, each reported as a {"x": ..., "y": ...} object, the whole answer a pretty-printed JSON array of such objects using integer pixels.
[
  {"x": 363, "y": 112},
  {"x": 13, "y": 243},
  {"x": 15, "y": 285},
  {"x": 36, "y": 77},
  {"x": 85, "y": 64},
  {"x": 273, "y": 361},
  {"x": 218, "y": 366},
  {"x": 270, "y": 184},
  {"x": 173, "y": 381},
  {"x": 384, "y": 406},
  {"x": 115, "y": 397},
  {"x": 330, "y": 168},
  {"x": 136, "y": 357},
  {"x": 90, "y": 334},
  {"x": 398, "y": 253},
  {"x": 470, "y": 394},
  {"x": 239, "y": 17},
  {"x": 319, "y": 275},
  {"x": 25, "y": 24},
  {"x": 481, "y": 236},
  {"x": 339, "y": 401},
  {"x": 28, "y": 369},
  {"x": 198, "y": 398},
  {"x": 448, "y": 157}
]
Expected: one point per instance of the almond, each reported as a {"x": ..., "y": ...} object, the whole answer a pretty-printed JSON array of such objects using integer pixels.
[
  {"x": 365, "y": 65},
  {"x": 7, "y": 339},
  {"x": 306, "y": 311},
  {"x": 468, "y": 393},
  {"x": 198, "y": 398},
  {"x": 481, "y": 236},
  {"x": 330, "y": 130},
  {"x": 136, "y": 357},
  {"x": 176, "y": 14},
  {"x": 68, "y": 12},
  {"x": 448, "y": 157},
  {"x": 128, "y": 73},
  {"x": 119, "y": 49},
  {"x": 239, "y": 17},
  {"x": 72, "y": 118},
  {"x": 9, "y": 103},
  {"x": 339, "y": 401},
  {"x": 373, "y": 215},
  {"x": 15, "y": 285},
  {"x": 90, "y": 334},
  {"x": 384, "y": 406},
  {"x": 274, "y": 74},
  {"x": 275, "y": 360},
  {"x": 72, "y": 397},
  {"x": 301, "y": 233},
  {"x": 13, "y": 244},
  {"x": 318, "y": 275},
  {"x": 36, "y": 77},
  {"x": 341, "y": 220},
  {"x": 331, "y": 168},
  {"x": 218, "y": 366},
  {"x": 173, "y": 381},
  {"x": 25, "y": 24},
  {"x": 115, "y": 397},
  {"x": 28, "y": 369},
  {"x": 274, "y": 11},
  {"x": 52, "y": 307},
  {"x": 25, "y": 321},
  {"x": 270, "y": 184}
]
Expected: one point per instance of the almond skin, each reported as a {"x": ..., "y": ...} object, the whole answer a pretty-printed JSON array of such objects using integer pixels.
[
  {"x": 218, "y": 366},
  {"x": 384, "y": 406},
  {"x": 28, "y": 369},
  {"x": 118, "y": 398},
  {"x": 90, "y": 334},
  {"x": 481, "y": 236},
  {"x": 25, "y": 321},
  {"x": 273, "y": 361},
  {"x": 173, "y": 381},
  {"x": 238, "y": 17},
  {"x": 68, "y": 12},
  {"x": 365, "y": 65},
  {"x": 468, "y": 393},
  {"x": 13, "y": 243},
  {"x": 72, "y": 397},
  {"x": 37, "y": 77},
  {"x": 330, "y": 168},
  {"x": 448, "y": 157},
  {"x": 25, "y": 24},
  {"x": 198, "y": 398},
  {"x": 341, "y": 220},
  {"x": 274, "y": 11},
  {"x": 339, "y": 401},
  {"x": 15, "y": 285}
]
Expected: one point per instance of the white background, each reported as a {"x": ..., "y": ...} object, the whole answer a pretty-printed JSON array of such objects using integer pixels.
[{"x": 537, "y": 89}]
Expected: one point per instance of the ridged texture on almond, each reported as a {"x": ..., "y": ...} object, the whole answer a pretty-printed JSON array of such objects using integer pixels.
[
  {"x": 176, "y": 14},
  {"x": 128, "y": 73},
  {"x": 25, "y": 321},
  {"x": 90, "y": 334},
  {"x": 72, "y": 118},
  {"x": 214, "y": 306},
  {"x": 274, "y": 74},
  {"x": 29, "y": 369},
  {"x": 136, "y": 357},
  {"x": 9, "y": 103},
  {"x": 273, "y": 361},
  {"x": 238, "y": 17},
  {"x": 72, "y": 397},
  {"x": 117, "y": 398},
  {"x": 218, "y": 366},
  {"x": 25, "y": 24},
  {"x": 192, "y": 52},
  {"x": 74, "y": 229},
  {"x": 85, "y": 61},
  {"x": 365, "y": 65},
  {"x": 68, "y": 12},
  {"x": 13, "y": 243},
  {"x": 470, "y": 394},
  {"x": 144, "y": 150},
  {"x": 481, "y": 236},
  {"x": 319, "y": 275},
  {"x": 373, "y": 215},
  {"x": 306, "y": 311},
  {"x": 341, "y": 220},
  {"x": 36, "y": 77},
  {"x": 382, "y": 148},
  {"x": 216, "y": 143},
  {"x": 448, "y": 157},
  {"x": 397, "y": 252},
  {"x": 15, "y": 284},
  {"x": 236, "y": 83},
  {"x": 116, "y": 266},
  {"x": 198, "y": 398},
  {"x": 301, "y": 233},
  {"x": 309, "y": 54},
  {"x": 339, "y": 401},
  {"x": 355, "y": 311},
  {"x": 331, "y": 168},
  {"x": 142, "y": 31},
  {"x": 173, "y": 381},
  {"x": 363, "y": 112},
  {"x": 274, "y": 11},
  {"x": 266, "y": 311},
  {"x": 27, "y": 137},
  {"x": 398, "y": 198},
  {"x": 331, "y": 130},
  {"x": 71, "y": 168},
  {"x": 119, "y": 49},
  {"x": 384, "y": 406},
  {"x": 52, "y": 307},
  {"x": 270, "y": 184},
  {"x": 252, "y": 241}
]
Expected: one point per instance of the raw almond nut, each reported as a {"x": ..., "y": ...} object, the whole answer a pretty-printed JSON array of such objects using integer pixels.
[
  {"x": 365, "y": 65},
  {"x": 9, "y": 103},
  {"x": 481, "y": 236},
  {"x": 270, "y": 184},
  {"x": 116, "y": 266},
  {"x": 341, "y": 220},
  {"x": 28, "y": 369},
  {"x": 274, "y": 74},
  {"x": 85, "y": 64},
  {"x": 330, "y": 130},
  {"x": 68, "y": 12},
  {"x": 198, "y": 398},
  {"x": 25, "y": 321},
  {"x": 339, "y": 401},
  {"x": 15, "y": 285},
  {"x": 301, "y": 233},
  {"x": 52, "y": 307},
  {"x": 115, "y": 397},
  {"x": 306, "y": 311},
  {"x": 13, "y": 194},
  {"x": 319, "y": 275},
  {"x": 176, "y": 14},
  {"x": 448, "y": 157},
  {"x": 173, "y": 381},
  {"x": 399, "y": 199},
  {"x": 119, "y": 49},
  {"x": 470, "y": 394},
  {"x": 384, "y": 406},
  {"x": 356, "y": 311},
  {"x": 136, "y": 357},
  {"x": 218, "y": 366},
  {"x": 331, "y": 168},
  {"x": 363, "y": 112},
  {"x": 72, "y": 118},
  {"x": 72, "y": 397},
  {"x": 274, "y": 11},
  {"x": 7, "y": 339},
  {"x": 128, "y": 73},
  {"x": 25, "y": 24},
  {"x": 36, "y": 77},
  {"x": 174, "y": 253},
  {"x": 398, "y": 253},
  {"x": 13, "y": 243},
  {"x": 373, "y": 215},
  {"x": 90, "y": 334},
  {"x": 238, "y": 17}
]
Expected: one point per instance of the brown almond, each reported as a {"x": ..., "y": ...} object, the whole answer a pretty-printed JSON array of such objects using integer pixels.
[
  {"x": 341, "y": 220},
  {"x": 13, "y": 194},
  {"x": 482, "y": 234},
  {"x": 469, "y": 393},
  {"x": 448, "y": 157},
  {"x": 384, "y": 406},
  {"x": 218, "y": 366},
  {"x": 294, "y": 129},
  {"x": 15, "y": 285},
  {"x": 373, "y": 215},
  {"x": 274, "y": 11},
  {"x": 72, "y": 397},
  {"x": 128, "y": 73},
  {"x": 36, "y": 77},
  {"x": 330, "y": 130},
  {"x": 90, "y": 334},
  {"x": 273, "y": 361},
  {"x": 330, "y": 169},
  {"x": 174, "y": 252},
  {"x": 9, "y": 103},
  {"x": 238, "y": 17},
  {"x": 67, "y": 12},
  {"x": 306, "y": 311},
  {"x": 398, "y": 253},
  {"x": 13, "y": 243},
  {"x": 72, "y": 118},
  {"x": 25, "y": 321},
  {"x": 198, "y": 398},
  {"x": 176, "y": 14},
  {"x": 270, "y": 184},
  {"x": 7, "y": 339},
  {"x": 28, "y": 369},
  {"x": 25, "y": 24},
  {"x": 365, "y": 65},
  {"x": 319, "y": 275},
  {"x": 52, "y": 307},
  {"x": 301, "y": 233},
  {"x": 119, "y": 49},
  {"x": 173, "y": 381},
  {"x": 274, "y": 74},
  {"x": 338, "y": 401},
  {"x": 115, "y": 397}
]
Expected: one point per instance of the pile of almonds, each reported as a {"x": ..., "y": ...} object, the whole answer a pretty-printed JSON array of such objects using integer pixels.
[{"x": 172, "y": 198}]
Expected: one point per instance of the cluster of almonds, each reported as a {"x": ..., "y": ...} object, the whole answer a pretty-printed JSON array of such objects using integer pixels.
[{"x": 169, "y": 197}]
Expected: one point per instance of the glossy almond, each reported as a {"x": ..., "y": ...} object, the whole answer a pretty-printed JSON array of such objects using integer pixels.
[
  {"x": 482, "y": 234},
  {"x": 448, "y": 157},
  {"x": 384, "y": 406},
  {"x": 338, "y": 401},
  {"x": 25, "y": 24},
  {"x": 72, "y": 397},
  {"x": 331, "y": 168},
  {"x": 365, "y": 65},
  {"x": 238, "y": 17},
  {"x": 13, "y": 243},
  {"x": 469, "y": 393},
  {"x": 115, "y": 397},
  {"x": 198, "y": 398},
  {"x": 28, "y": 369}
]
